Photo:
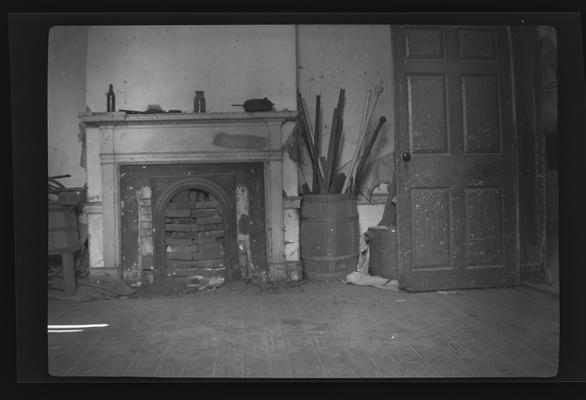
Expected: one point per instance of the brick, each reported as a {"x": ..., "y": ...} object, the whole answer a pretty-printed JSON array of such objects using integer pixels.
[
  {"x": 147, "y": 262},
  {"x": 210, "y": 263},
  {"x": 145, "y": 202},
  {"x": 203, "y": 254},
  {"x": 192, "y": 227},
  {"x": 178, "y": 241},
  {"x": 182, "y": 249},
  {"x": 146, "y": 245},
  {"x": 184, "y": 235},
  {"x": 202, "y": 241},
  {"x": 146, "y": 232},
  {"x": 179, "y": 256},
  {"x": 210, "y": 246},
  {"x": 177, "y": 213},
  {"x": 145, "y": 192},
  {"x": 205, "y": 213},
  {"x": 214, "y": 233},
  {"x": 180, "y": 264},
  {"x": 207, "y": 227},
  {"x": 210, "y": 220},
  {"x": 146, "y": 225},
  {"x": 183, "y": 220},
  {"x": 206, "y": 204},
  {"x": 181, "y": 197},
  {"x": 146, "y": 210},
  {"x": 145, "y": 218},
  {"x": 178, "y": 227}
]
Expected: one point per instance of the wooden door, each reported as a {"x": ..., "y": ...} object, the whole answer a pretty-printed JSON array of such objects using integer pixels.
[{"x": 456, "y": 208}]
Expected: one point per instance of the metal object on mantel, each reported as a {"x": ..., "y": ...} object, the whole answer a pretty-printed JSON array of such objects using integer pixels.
[{"x": 255, "y": 105}]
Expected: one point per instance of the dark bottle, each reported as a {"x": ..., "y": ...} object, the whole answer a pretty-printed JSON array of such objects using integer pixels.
[
  {"x": 110, "y": 100},
  {"x": 199, "y": 102}
]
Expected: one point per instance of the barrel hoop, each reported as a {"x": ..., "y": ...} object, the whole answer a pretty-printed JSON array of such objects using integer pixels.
[
  {"x": 331, "y": 219},
  {"x": 330, "y": 258}
]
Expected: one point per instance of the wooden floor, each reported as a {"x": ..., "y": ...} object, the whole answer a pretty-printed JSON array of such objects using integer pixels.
[{"x": 314, "y": 330}]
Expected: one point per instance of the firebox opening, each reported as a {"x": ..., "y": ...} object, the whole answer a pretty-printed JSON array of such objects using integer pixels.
[{"x": 194, "y": 236}]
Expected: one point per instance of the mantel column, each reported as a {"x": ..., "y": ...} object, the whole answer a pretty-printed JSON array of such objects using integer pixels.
[{"x": 274, "y": 205}]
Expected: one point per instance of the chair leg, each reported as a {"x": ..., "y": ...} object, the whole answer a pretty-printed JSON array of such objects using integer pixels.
[{"x": 69, "y": 273}]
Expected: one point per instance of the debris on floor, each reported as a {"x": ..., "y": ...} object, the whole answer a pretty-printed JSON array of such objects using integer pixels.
[
  {"x": 360, "y": 278},
  {"x": 88, "y": 289},
  {"x": 449, "y": 292},
  {"x": 202, "y": 283}
]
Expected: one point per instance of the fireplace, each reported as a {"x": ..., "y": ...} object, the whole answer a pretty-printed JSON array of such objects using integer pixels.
[
  {"x": 194, "y": 231},
  {"x": 206, "y": 199}
]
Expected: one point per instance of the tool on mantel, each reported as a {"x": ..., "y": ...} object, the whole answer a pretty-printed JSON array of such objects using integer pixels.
[{"x": 255, "y": 105}]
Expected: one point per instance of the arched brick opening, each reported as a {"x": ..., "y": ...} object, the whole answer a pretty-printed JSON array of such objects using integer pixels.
[{"x": 227, "y": 207}]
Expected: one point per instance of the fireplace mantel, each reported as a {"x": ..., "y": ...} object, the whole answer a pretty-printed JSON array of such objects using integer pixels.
[
  {"x": 115, "y": 139},
  {"x": 121, "y": 118}
]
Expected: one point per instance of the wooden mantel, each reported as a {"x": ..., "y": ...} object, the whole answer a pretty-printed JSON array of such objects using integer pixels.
[
  {"x": 115, "y": 139},
  {"x": 120, "y": 118}
]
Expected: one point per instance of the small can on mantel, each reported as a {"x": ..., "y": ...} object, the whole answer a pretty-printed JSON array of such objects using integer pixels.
[{"x": 199, "y": 102}]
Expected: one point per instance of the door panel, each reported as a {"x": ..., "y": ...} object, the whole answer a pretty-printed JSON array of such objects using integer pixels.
[
  {"x": 481, "y": 114},
  {"x": 484, "y": 238},
  {"x": 476, "y": 44},
  {"x": 431, "y": 228},
  {"x": 427, "y": 113},
  {"x": 456, "y": 209}
]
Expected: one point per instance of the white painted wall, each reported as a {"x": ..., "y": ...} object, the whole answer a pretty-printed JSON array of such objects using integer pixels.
[
  {"x": 165, "y": 65},
  {"x": 355, "y": 58},
  {"x": 66, "y": 75}
]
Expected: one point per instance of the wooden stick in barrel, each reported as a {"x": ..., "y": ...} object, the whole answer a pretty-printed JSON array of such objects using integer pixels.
[
  {"x": 365, "y": 105},
  {"x": 304, "y": 131},
  {"x": 333, "y": 161},
  {"x": 316, "y": 143},
  {"x": 362, "y": 161}
]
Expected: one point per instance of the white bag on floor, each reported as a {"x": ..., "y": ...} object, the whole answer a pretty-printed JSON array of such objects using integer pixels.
[{"x": 361, "y": 276}]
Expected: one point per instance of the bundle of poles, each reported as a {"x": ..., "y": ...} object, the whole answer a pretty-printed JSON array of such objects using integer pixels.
[{"x": 326, "y": 178}]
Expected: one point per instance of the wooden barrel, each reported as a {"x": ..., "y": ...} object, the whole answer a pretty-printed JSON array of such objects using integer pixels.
[
  {"x": 383, "y": 251},
  {"x": 63, "y": 235},
  {"x": 329, "y": 236}
]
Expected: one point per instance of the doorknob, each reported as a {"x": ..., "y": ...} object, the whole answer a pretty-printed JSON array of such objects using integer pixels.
[{"x": 406, "y": 156}]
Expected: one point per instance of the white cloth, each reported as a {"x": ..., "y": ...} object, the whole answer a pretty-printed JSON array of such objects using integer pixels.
[{"x": 361, "y": 276}]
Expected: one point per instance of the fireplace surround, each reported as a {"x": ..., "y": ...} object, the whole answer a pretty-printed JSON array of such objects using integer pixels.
[{"x": 117, "y": 139}]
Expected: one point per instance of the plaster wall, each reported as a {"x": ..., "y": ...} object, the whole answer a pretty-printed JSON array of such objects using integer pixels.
[
  {"x": 355, "y": 58},
  {"x": 66, "y": 77},
  {"x": 165, "y": 65}
]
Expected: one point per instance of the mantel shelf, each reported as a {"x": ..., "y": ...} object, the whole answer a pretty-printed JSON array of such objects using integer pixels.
[{"x": 121, "y": 118}]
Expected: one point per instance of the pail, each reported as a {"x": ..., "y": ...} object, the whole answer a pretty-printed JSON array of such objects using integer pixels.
[{"x": 383, "y": 251}]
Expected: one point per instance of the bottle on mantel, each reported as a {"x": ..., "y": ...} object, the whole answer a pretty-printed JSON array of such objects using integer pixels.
[{"x": 110, "y": 100}]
